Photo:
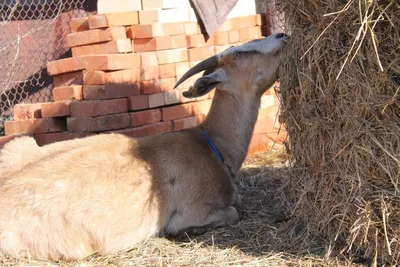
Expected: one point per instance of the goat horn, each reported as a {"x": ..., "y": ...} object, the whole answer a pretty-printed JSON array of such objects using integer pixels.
[{"x": 208, "y": 63}]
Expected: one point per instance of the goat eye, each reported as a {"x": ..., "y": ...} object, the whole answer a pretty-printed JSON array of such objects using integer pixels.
[{"x": 236, "y": 55}]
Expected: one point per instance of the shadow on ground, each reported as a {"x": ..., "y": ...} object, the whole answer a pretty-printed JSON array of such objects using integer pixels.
[{"x": 266, "y": 224}]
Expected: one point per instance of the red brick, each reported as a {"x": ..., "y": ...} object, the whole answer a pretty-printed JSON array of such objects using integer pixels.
[
  {"x": 278, "y": 123},
  {"x": 27, "y": 111},
  {"x": 277, "y": 102},
  {"x": 252, "y": 33},
  {"x": 98, "y": 124},
  {"x": 172, "y": 97},
  {"x": 93, "y": 77},
  {"x": 116, "y": 32},
  {"x": 111, "y": 47},
  {"x": 244, "y": 22},
  {"x": 93, "y": 108},
  {"x": 254, "y": 145},
  {"x": 175, "y": 97},
  {"x": 159, "y": 43},
  {"x": 144, "y": 45},
  {"x": 148, "y": 59},
  {"x": 201, "y": 98},
  {"x": 110, "y": 91},
  {"x": 156, "y": 100},
  {"x": 155, "y": 30},
  {"x": 65, "y": 65},
  {"x": 198, "y": 40},
  {"x": 188, "y": 82},
  {"x": 178, "y": 41},
  {"x": 227, "y": 26},
  {"x": 221, "y": 38},
  {"x": 176, "y": 112},
  {"x": 233, "y": 36},
  {"x": 261, "y": 19},
  {"x": 264, "y": 126},
  {"x": 172, "y": 56},
  {"x": 200, "y": 53},
  {"x": 113, "y": 19},
  {"x": 95, "y": 36},
  {"x": 167, "y": 71},
  {"x": 48, "y": 138},
  {"x": 56, "y": 109},
  {"x": 147, "y": 74},
  {"x": 152, "y": 44},
  {"x": 186, "y": 123},
  {"x": 220, "y": 48},
  {"x": 156, "y": 86},
  {"x": 136, "y": 132},
  {"x": 138, "y": 102},
  {"x": 191, "y": 28},
  {"x": 267, "y": 101},
  {"x": 158, "y": 128},
  {"x": 34, "y": 126},
  {"x": 112, "y": 61},
  {"x": 147, "y": 130},
  {"x": 73, "y": 92},
  {"x": 96, "y": 77},
  {"x": 263, "y": 142},
  {"x": 164, "y": 15},
  {"x": 211, "y": 94},
  {"x": 266, "y": 31},
  {"x": 68, "y": 79},
  {"x": 145, "y": 117},
  {"x": 278, "y": 138},
  {"x": 120, "y": 6},
  {"x": 181, "y": 68},
  {"x": 269, "y": 112},
  {"x": 201, "y": 107},
  {"x": 123, "y": 76},
  {"x": 79, "y": 24}
]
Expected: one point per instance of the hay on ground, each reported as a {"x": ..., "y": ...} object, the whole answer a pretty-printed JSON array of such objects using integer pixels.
[{"x": 340, "y": 90}]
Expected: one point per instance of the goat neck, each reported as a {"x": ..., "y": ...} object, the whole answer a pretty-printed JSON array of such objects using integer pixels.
[{"x": 230, "y": 124}]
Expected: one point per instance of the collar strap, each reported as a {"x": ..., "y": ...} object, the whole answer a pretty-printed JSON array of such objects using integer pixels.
[{"x": 216, "y": 150}]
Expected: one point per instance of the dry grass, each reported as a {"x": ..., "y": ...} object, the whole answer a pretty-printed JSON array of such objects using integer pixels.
[
  {"x": 260, "y": 239},
  {"x": 340, "y": 88}
]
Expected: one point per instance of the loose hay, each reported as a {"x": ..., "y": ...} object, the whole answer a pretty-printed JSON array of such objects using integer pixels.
[{"x": 340, "y": 91}]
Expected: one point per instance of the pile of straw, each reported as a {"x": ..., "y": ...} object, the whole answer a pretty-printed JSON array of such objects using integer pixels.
[{"x": 340, "y": 92}]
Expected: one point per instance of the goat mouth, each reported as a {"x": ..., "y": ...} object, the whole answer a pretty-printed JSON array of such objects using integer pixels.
[{"x": 199, "y": 89}]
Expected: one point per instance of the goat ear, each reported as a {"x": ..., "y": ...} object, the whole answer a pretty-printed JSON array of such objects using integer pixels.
[{"x": 203, "y": 85}]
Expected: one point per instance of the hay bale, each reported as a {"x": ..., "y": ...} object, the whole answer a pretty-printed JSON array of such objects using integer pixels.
[{"x": 340, "y": 91}]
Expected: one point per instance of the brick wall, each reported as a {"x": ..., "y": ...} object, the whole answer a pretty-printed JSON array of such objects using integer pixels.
[{"x": 121, "y": 78}]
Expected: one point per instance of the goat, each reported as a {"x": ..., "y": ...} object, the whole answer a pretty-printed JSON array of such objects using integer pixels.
[{"x": 106, "y": 193}]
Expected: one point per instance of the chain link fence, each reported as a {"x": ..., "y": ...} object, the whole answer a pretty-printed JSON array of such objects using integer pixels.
[{"x": 32, "y": 32}]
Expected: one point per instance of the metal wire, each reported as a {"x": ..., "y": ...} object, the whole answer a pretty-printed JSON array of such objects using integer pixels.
[{"x": 32, "y": 32}]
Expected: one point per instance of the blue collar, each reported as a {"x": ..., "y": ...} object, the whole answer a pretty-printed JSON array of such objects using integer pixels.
[{"x": 216, "y": 150}]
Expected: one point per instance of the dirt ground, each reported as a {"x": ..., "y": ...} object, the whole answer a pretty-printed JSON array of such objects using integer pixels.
[{"x": 259, "y": 239}]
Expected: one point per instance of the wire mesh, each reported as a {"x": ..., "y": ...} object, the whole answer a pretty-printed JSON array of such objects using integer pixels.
[{"x": 32, "y": 32}]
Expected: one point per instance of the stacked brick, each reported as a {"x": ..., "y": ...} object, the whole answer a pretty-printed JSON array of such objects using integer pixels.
[{"x": 121, "y": 75}]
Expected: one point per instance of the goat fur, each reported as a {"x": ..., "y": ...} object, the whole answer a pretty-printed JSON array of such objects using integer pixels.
[{"x": 105, "y": 193}]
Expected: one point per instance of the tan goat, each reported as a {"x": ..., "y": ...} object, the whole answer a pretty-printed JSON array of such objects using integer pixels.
[{"x": 106, "y": 193}]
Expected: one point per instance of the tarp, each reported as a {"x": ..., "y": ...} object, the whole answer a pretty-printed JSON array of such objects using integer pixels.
[{"x": 213, "y": 13}]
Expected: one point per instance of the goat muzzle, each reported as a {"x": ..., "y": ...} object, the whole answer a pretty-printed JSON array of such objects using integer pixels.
[{"x": 206, "y": 64}]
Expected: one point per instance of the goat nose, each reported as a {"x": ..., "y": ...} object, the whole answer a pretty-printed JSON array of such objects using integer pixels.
[{"x": 280, "y": 35}]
